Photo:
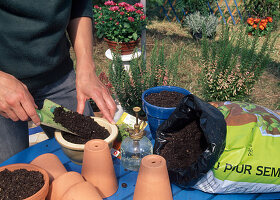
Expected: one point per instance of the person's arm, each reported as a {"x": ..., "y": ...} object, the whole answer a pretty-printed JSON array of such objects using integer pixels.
[
  {"x": 16, "y": 101},
  {"x": 88, "y": 84}
]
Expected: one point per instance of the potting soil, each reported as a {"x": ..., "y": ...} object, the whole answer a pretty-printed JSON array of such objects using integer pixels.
[
  {"x": 167, "y": 99},
  {"x": 84, "y": 126},
  {"x": 184, "y": 147},
  {"x": 19, "y": 184},
  {"x": 249, "y": 163}
]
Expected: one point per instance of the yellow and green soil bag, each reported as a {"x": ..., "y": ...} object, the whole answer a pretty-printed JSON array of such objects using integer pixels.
[{"x": 250, "y": 162}]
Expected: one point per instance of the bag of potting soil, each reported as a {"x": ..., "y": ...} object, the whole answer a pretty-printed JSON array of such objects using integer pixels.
[
  {"x": 191, "y": 140},
  {"x": 249, "y": 162}
]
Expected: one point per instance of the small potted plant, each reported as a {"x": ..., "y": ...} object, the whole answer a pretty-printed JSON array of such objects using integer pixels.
[
  {"x": 120, "y": 23},
  {"x": 195, "y": 22},
  {"x": 259, "y": 27}
]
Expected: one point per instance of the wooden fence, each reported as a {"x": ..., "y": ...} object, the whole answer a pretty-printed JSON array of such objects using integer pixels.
[{"x": 226, "y": 10}]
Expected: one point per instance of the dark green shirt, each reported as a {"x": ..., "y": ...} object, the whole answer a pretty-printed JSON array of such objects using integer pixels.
[{"x": 33, "y": 43}]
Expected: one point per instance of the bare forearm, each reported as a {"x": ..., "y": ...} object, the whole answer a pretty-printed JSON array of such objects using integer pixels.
[
  {"x": 87, "y": 83},
  {"x": 80, "y": 33}
]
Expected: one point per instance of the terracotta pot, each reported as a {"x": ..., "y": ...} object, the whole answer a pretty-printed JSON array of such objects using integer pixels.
[
  {"x": 125, "y": 47},
  {"x": 51, "y": 164},
  {"x": 153, "y": 180},
  {"x": 98, "y": 167},
  {"x": 82, "y": 191},
  {"x": 75, "y": 151},
  {"x": 42, "y": 193},
  {"x": 61, "y": 184}
]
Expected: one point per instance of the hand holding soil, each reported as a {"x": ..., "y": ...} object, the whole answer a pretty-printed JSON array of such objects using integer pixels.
[{"x": 16, "y": 102}]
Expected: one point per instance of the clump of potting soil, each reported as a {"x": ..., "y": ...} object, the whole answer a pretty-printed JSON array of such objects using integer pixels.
[
  {"x": 20, "y": 184},
  {"x": 184, "y": 147},
  {"x": 167, "y": 99},
  {"x": 84, "y": 126}
]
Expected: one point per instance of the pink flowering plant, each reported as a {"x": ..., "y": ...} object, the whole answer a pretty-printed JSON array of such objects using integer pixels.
[{"x": 119, "y": 22}]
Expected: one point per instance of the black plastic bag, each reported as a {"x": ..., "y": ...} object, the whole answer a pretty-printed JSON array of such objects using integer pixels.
[{"x": 213, "y": 126}]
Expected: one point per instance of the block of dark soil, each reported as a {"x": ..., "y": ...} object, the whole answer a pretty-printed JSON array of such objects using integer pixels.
[
  {"x": 84, "y": 126},
  {"x": 184, "y": 147},
  {"x": 167, "y": 99},
  {"x": 19, "y": 184}
]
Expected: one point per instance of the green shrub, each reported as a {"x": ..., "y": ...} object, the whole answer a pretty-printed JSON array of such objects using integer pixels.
[
  {"x": 232, "y": 65},
  {"x": 263, "y": 8},
  {"x": 192, "y": 6},
  {"x": 196, "y": 21},
  {"x": 129, "y": 86}
]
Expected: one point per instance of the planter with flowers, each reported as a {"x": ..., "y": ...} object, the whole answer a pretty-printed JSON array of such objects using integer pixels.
[
  {"x": 120, "y": 24},
  {"x": 259, "y": 27}
]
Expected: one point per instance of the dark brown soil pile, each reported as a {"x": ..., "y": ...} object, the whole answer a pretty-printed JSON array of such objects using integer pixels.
[
  {"x": 184, "y": 147},
  {"x": 84, "y": 126},
  {"x": 167, "y": 99},
  {"x": 19, "y": 184}
]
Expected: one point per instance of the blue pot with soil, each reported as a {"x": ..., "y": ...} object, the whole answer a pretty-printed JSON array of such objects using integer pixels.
[{"x": 157, "y": 114}]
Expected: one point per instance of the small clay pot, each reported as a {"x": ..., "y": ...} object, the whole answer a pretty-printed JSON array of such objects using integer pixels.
[
  {"x": 51, "y": 164},
  {"x": 75, "y": 151},
  {"x": 98, "y": 167},
  {"x": 62, "y": 183},
  {"x": 153, "y": 180},
  {"x": 82, "y": 191},
  {"x": 42, "y": 193}
]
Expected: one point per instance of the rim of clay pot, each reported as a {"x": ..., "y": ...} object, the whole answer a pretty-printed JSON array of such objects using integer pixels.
[
  {"x": 133, "y": 41},
  {"x": 42, "y": 193},
  {"x": 79, "y": 147},
  {"x": 158, "y": 89}
]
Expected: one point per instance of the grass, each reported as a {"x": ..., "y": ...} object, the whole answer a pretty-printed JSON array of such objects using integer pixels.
[{"x": 266, "y": 91}]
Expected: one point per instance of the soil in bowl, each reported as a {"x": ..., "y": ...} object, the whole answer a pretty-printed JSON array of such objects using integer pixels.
[
  {"x": 184, "y": 147},
  {"x": 84, "y": 126},
  {"x": 20, "y": 184},
  {"x": 167, "y": 99}
]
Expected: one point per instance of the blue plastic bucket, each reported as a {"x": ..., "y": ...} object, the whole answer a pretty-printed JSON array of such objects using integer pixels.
[{"x": 156, "y": 115}]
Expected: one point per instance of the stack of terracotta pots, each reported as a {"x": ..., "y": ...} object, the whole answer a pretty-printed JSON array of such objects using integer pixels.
[{"x": 97, "y": 181}]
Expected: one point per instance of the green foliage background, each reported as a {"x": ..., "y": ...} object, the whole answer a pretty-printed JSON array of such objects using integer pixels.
[{"x": 233, "y": 64}]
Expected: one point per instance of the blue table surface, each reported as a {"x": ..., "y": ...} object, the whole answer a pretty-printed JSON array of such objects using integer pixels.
[{"x": 124, "y": 176}]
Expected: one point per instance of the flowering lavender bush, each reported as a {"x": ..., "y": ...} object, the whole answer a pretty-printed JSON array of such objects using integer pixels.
[
  {"x": 233, "y": 64},
  {"x": 119, "y": 22}
]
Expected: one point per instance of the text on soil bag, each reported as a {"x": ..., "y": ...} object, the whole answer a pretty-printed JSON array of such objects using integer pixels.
[{"x": 248, "y": 169}]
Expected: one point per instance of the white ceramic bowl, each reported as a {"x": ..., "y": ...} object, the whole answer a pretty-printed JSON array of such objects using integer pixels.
[{"x": 76, "y": 151}]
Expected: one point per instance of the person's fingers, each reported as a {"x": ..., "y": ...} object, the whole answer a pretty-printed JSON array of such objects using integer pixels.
[
  {"x": 110, "y": 104},
  {"x": 4, "y": 114},
  {"x": 104, "y": 109},
  {"x": 28, "y": 106},
  {"x": 31, "y": 98},
  {"x": 80, "y": 104},
  {"x": 20, "y": 112},
  {"x": 12, "y": 115}
]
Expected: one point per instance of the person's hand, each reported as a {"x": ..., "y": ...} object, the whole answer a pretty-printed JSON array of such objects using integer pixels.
[
  {"x": 16, "y": 102},
  {"x": 89, "y": 86}
]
